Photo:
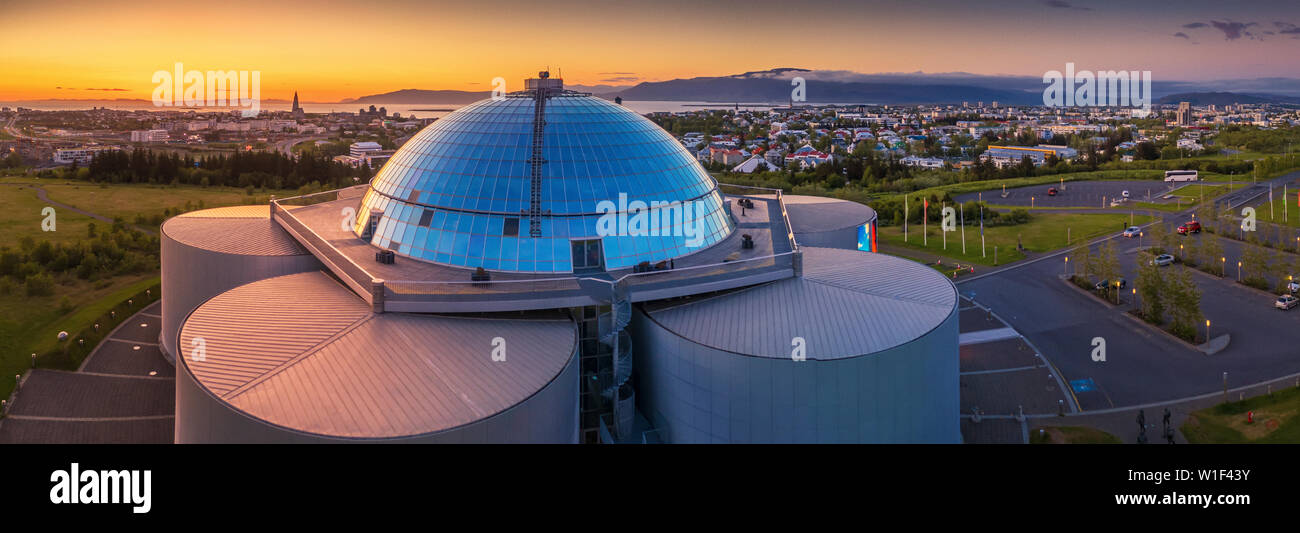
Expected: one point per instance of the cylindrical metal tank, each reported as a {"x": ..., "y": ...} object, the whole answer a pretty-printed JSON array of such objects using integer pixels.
[
  {"x": 207, "y": 252},
  {"x": 861, "y": 348},
  {"x": 831, "y": 223},
  {"x": 301, "y": 359}
]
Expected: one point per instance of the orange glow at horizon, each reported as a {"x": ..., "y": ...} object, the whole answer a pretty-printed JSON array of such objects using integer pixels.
[{"x": 329, "y": 50}]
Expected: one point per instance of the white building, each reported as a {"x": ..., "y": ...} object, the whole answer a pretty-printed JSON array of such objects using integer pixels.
[
  {"x": 80, "y": 156},
  {"x": 149, "y": 136},
  {"x": 359, "y": 149}
]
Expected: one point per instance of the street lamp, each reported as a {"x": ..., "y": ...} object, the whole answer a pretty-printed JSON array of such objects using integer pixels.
[
  {"x": 1238, "y": 270},
  {"x": 1067, "y": 266},
  {"x": 1207, "y": 337},
  {"x": 1223, "y": 266}
]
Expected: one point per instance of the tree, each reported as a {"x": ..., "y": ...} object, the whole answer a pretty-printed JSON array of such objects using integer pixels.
[
  {"x": 1184, "y": 303},
  {"x": 1082, "y": 258},
  {"x": 1150, "y": 286},
  {"x": 1254, "y": 266},
  {"x": 1106, "y": 266},
  {"x": 1279, "y": 269},
  {"x": 1212, "y": 252}
]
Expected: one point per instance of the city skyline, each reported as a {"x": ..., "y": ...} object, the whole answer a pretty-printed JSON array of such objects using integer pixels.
[{"x": 319, "y": 48}]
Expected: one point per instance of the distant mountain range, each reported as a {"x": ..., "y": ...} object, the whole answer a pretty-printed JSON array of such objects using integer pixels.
[{"x": 829, "y": 86}]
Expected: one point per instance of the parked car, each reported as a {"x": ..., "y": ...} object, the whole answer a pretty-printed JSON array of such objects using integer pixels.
[
  {"x": 1132, "y": 231},
  {"x": 1051, "y": 191},
  {"x": 1286, "y": 301},
  {"x": 1293, "y": 286},
  {"x": 1191, "y": 226},
  {"x": 1103, "y": 284},
  {"x": 1163, "y": 260}
]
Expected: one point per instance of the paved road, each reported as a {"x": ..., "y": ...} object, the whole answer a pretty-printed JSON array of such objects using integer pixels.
[
  {"x": 1142, "y": 365},
  {"x": 286, "y": 146}
]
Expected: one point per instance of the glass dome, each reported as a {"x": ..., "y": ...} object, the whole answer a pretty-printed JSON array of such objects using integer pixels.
[{"x": 461, "y": 191}]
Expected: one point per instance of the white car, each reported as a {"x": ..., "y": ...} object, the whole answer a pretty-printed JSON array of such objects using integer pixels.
[
  {"x": 1163, "y": 260},
  {"x": 1124, "y": 194},
  {"x": 1294, "y": 287},
  {"x": 1286, "y": 301},
  {"x": 1132, "y": 231}
]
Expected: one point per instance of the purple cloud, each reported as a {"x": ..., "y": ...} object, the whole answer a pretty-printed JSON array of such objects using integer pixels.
[
  {"x": 1287, "y": 28},
  {"x": 1063, "y": 4},
  {"x": 1194, "y": 25},
  {"x": 1233, "y": 30},
  {"x": 1182, "y": 35}
]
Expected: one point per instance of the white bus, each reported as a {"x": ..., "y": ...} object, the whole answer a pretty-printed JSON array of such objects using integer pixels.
[{"x": 1181, "y": 175}]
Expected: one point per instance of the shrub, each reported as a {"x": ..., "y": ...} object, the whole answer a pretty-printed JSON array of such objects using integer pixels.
[{"x": 40, "y": 284}]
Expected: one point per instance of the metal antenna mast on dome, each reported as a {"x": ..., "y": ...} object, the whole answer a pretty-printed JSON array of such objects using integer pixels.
[{"x": 542, "y": 88}]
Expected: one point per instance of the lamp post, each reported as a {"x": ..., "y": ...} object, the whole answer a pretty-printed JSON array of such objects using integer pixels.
[
  {"x": 1067, "y": 266},
  {"x": 1207, "y": 336},
  {"x": 1238, "y": 271},
  {"x": 1223, "y": 266}
]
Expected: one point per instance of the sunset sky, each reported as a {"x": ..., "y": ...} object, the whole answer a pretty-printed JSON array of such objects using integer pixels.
[{"x": 329, "y": 50}]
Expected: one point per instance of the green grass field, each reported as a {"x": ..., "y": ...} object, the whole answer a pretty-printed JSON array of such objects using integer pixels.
[
  {"x": 21, "y": 216},
  {"x": 1281, "y": 211},
  {"x": 1275, "y": 421},
  {"x": 1070, "y": 435},
  {"x": 1044, "y": 232},
  {"x": 128, "y": 200}
]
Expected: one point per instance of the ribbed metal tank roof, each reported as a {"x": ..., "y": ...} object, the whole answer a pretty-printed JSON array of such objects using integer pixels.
[
  {"x": 302, "y": 352},
  {"x": 846, "y": 304},
  {"x": 812, "y": 214},
  {"x": 241, "y": 230}
]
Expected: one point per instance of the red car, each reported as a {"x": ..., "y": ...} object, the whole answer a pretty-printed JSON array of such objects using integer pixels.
[
  {"x": 1051, "y": 191},
  {"x": 1190, "y": 227}
]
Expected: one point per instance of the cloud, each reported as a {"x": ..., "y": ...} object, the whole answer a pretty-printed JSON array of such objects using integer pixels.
[
  {"x": 615, "y": 73},
  {"x": 1182, "y": 35},
  {"x": 620, "y": 79},
  {"x": 1194, "y": 25},
  {"x": 1063, "y": 4},
  {"x": 1287, "y": 28},
  {"x": 1233, "y": 30}
]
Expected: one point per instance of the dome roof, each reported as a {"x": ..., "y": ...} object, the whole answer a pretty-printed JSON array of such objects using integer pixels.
[{"x": 461, "y": 191}]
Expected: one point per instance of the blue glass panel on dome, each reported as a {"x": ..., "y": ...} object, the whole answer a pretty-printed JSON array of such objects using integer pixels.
[{"x": 471, "y": 170}]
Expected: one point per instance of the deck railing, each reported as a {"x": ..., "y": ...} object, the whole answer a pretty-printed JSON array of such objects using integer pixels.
[{"x": 375, "y": 290}]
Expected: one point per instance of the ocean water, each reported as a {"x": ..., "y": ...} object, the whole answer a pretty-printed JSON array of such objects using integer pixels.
[{"x": 406, "y": 110}]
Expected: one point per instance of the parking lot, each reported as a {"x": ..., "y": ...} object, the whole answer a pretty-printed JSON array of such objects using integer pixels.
[
  {"x": 1088, "y": 194},
  {"x": 1142, "y": 364}
]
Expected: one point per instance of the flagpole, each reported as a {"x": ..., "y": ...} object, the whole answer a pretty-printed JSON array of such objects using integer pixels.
[
  {"x": 963, "y": 229},
  {"x": 905, "y": 213},
  {"x": 983, "y": 252},
  {"x": 943, "y": 206},
  {"x": 925, "y": 223}
]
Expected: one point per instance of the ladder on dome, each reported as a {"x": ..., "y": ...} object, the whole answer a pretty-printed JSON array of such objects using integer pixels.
[{"x": 535, "y": 165}]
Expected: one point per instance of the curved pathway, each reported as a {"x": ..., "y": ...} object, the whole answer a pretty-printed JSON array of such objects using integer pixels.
[{"x": 124, "y": 393}]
